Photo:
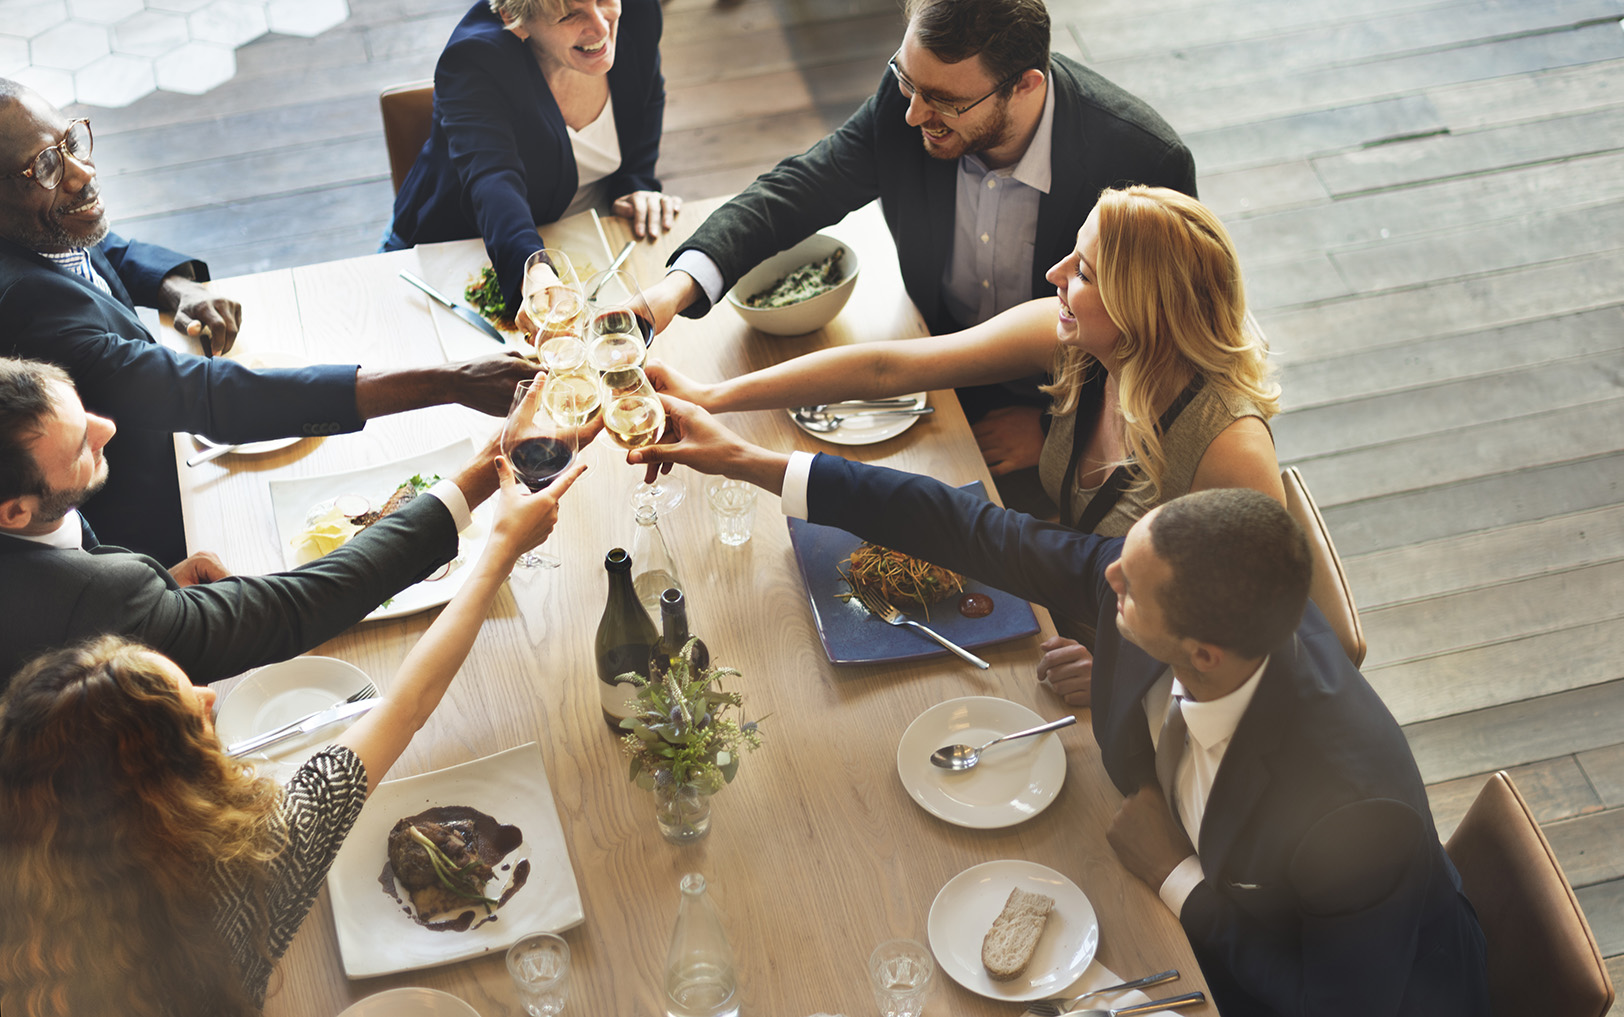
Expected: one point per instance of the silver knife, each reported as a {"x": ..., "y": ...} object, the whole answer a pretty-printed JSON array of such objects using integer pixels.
[
  {"x": 467, "y": 314},
  {"x": 303, "y": 726}
]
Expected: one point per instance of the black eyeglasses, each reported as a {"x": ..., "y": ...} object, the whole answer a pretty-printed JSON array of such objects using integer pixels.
[
  {"x": 48, "y": 167},
  {"x": 942, "y": 106}
]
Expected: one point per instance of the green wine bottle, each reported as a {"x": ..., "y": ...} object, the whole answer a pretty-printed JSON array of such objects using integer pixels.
[
  {"x": 674, "y": 636},
  {"x": 626, "y": 635}
]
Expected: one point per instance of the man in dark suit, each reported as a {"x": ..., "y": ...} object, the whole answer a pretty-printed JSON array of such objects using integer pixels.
[
  {"x": 986, "y": 153},
  {"x": 68, "y": 292},
  {"x": 61, "y": 585},
  {"x": 1300, "y": 854}
]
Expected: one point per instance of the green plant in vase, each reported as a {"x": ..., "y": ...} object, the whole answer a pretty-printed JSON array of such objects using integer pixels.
[{"x": 685, "y": 740}]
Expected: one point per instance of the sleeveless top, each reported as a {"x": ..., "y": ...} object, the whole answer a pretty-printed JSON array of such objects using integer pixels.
[{"x": 1207, "y": 414}]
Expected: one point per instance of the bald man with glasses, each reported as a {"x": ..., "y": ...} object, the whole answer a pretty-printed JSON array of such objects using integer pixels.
[
  {"x": 68, "y": 293},
  {"x": 986, "y": 153}
]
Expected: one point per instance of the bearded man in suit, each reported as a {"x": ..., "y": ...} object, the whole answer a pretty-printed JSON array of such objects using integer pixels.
[{"x": 1299, "y": 853}]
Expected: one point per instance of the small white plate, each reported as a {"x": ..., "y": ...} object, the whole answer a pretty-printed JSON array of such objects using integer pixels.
[
  {"x": 1012, "y": 783},
  {"x": 279, "y": 693},
  {"x": 964, "y": 910},
  {"x": 377, "y": 937},
  {"x": 864, "y": 430},
  {"x": 293, "y": 499},
  {"x": 410, "y": 1001},
  {"x": 257, "y": 361}
]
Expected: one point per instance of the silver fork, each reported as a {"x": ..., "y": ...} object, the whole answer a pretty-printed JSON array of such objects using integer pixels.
[
  {"x": 890, "y": 615},
  {"x": 366, "y": 691},
  {"x": 1056, "y": 1007}
]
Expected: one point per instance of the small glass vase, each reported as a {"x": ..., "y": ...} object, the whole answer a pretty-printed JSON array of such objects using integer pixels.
[{"x": 683, "y": 812}]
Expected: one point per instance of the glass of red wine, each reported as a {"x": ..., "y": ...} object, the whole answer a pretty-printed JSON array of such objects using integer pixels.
[
  {"x": 540, "y": 445},
  {"x": 619, "y": 330}
]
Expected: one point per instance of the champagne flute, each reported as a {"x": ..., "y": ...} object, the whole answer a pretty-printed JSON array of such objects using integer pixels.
[{"x": 540, "y": 446}]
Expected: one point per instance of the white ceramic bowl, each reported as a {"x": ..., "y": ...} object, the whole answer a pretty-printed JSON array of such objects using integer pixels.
[
  {"x": 410, "y": 1001},
  {"x": 807, "y": 315}
]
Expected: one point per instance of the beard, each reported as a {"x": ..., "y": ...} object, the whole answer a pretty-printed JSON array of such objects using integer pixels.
[
  {"x": 53, "y": 234},
  {"x": 992, "y": 133},
  {"x": 54, "y": 505}
]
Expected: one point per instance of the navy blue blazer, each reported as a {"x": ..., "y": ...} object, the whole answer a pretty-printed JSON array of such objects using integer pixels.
[
  {"x": 1103, "y": 137},
  {"x": 498, "y": 161},
  {"x": 1326, "y": 890},
  {"x": 149, "y": 391}
]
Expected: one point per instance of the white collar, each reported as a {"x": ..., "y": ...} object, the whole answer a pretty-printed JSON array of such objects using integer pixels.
[
  {"x": 1213, "y": 723},
  {"x": 68, "y": 535}
]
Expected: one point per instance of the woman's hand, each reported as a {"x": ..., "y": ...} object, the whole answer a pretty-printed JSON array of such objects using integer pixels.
[
  {"x": 669, "y": 380},
  {"x": 1067, "y": 668},
  {"x": 650, "y": 212},
  {"x": 524, "y": 518}
]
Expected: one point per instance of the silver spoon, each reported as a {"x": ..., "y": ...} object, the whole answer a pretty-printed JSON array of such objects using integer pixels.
[
  {"x": 1171, "y": 1003},
  {"x": 212, "y": 453},
  {"x": 822, "y": 423},
  {"x": 963, "y": 757}
]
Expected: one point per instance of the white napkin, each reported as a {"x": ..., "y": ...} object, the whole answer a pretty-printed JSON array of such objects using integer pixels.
[{"x": 1098, "y": 976}]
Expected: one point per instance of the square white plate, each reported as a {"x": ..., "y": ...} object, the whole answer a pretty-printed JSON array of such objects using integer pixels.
[
  {"x": 292, "y": 500},
  {"x": 377, "y": 937}
]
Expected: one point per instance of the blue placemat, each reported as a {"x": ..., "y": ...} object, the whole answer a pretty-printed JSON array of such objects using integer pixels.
[{"x": 853, "y": 636}]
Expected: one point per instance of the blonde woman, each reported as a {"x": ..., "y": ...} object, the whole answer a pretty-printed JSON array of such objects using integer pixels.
[
  {"x": 142, "y": 871},
  {"x": 1162, "y": 385}
]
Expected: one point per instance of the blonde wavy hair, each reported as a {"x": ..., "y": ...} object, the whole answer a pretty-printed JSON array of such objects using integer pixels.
[
  {"x": 117, "y": 803},
  {"x": 1170, "y": 280}
]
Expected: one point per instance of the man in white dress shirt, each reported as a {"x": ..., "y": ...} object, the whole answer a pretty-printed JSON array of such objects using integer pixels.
[{"x": 1301, "y": 860}]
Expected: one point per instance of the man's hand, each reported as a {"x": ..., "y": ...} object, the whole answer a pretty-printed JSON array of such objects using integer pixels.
[
  {"x": 201, "y": 567},
  {"x": 651, "y": 213},
  {"x": 693, "y": 438},
  {"x": 212, "y": 320},
  {"x": 1067, "y": 668},
  {"x": 668, "y": 297},
  {"x": 1010, "y": 438},
  {"x": 487, "y": 383},
  {"x": 1145, "y": 837}
]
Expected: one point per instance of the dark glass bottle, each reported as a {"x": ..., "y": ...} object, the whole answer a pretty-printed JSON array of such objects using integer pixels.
[
  {"x": 674, "y": 636},
  {"x": 626, "y": 636}
]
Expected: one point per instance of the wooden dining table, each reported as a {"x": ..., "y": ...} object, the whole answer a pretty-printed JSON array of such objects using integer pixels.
[{"x": 817, "y": 852}]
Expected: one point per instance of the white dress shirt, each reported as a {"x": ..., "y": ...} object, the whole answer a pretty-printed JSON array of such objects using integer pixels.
[{"x": 1211, "y": 725}]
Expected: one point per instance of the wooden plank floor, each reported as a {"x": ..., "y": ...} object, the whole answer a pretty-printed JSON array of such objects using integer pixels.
[{"x": 1429, "y": 197}]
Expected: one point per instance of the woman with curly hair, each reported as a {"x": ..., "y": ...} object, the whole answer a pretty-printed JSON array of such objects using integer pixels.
[
  {"x": 1161, "y": 379},
  {"x": 144, "y": 872}
]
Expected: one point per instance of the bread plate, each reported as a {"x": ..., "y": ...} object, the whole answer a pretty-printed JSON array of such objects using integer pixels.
[
  {"x": 964, "y": 910},
  {"x": 1013, "y": 782}
]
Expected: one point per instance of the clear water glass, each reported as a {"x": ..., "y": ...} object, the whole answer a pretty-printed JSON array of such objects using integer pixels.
[
  {"x": 539, "y": 965},
  {"x": 901, "y": 971},
  {"x": 733, "y": 510}
]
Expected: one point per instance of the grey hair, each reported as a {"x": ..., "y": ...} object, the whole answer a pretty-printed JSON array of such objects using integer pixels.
[{"x": 516, "y": 12}]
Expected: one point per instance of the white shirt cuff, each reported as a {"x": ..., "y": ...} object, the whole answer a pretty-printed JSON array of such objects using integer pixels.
[
  {"x": 796, "y": 478},
  {"x": 456, "y": 503},
  {"x": 1185, "y": 877},
  {"x": 699, "y": 265}
]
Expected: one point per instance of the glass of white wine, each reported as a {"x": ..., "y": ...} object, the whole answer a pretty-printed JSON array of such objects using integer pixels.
[
  {"x": 620, "y": 326},
  {"x": 554, "y": 301},
  {"x": 572, "y": 394},
  {"x": 632, "y": 413}
]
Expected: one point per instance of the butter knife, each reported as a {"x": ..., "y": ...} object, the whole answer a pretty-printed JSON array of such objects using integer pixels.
[
  {"x": 303, "y": 726},
  {"x": 467, "y": 314}
]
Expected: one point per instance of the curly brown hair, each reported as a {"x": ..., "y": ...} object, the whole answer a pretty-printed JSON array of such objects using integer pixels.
[{"x": 118, "y": 801}]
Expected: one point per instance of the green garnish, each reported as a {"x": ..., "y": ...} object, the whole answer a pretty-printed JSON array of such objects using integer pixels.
[
  {"x": 446, "y": 871},
  {"x": 485, "y": 295},
  {"x": 422, "y": 485},
  {"x": 804, "y": 283}
]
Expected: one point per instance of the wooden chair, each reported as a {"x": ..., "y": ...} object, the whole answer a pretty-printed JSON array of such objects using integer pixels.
[
  {"x": 406, "y": 110},
  {"x": 1329, "y": 589},
  {"x": 1542, "y": 956}
]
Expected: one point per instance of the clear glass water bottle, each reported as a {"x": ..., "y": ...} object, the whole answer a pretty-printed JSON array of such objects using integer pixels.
[
  {"x": 699, "y": 978},
  {"x": 653, "y": 569}
]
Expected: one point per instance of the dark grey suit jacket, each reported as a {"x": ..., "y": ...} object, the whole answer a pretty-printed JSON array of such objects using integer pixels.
[
  {"x": 1103, "y": 137},
  {"x": 1326, "y": 891},
  {"x": 50, "y": 598}
]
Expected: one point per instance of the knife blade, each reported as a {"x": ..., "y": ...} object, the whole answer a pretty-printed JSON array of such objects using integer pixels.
[
  {"x": 303, "y": 726},
  {"x": 467, "y": 314}
]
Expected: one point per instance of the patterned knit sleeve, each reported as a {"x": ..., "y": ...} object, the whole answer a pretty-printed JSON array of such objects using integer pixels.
[{"x": 320, "y": 805}]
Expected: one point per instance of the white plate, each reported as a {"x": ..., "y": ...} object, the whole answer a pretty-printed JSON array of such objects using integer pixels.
[
  {"x": 292, "y": 500},
  {"x": 257, "y": 361},
  {"x": 410, "y": 1002},
  {"x": 377, "y": 937},
  {"x": 964, "y": 909},
  {"x": 1012, "y": 783},
  {"x": 279, "y": 693},
  {"x": 865, "y": 430}
]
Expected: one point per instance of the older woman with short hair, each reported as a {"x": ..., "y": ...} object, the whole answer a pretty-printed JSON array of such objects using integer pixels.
[{"x": 542, "y": 109}]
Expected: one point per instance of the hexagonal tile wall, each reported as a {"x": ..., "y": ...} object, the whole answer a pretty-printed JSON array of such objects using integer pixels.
[{"x": 112, "y": 52}]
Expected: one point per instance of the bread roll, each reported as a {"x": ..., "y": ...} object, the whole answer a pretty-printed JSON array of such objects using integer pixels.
[{"x": 1014, "y": 935}]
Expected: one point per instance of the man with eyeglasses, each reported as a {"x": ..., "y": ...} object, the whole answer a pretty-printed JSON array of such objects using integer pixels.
[
  {"x": 68, "y": 293},
  {"x": 986, "y": 153}
]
